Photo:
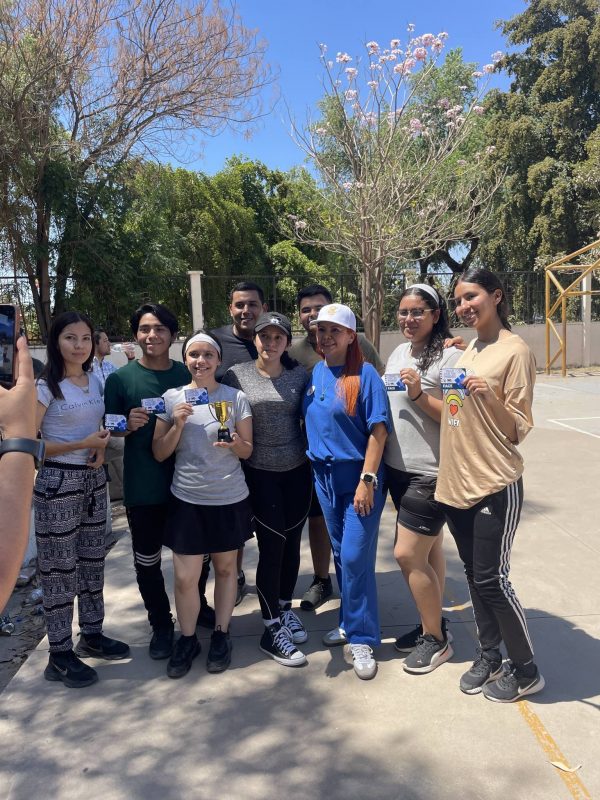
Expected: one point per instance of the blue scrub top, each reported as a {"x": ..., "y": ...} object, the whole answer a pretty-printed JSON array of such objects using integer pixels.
[{"x": 332, "y": 434}]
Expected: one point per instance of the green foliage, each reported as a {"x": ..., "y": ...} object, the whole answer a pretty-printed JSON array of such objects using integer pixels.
[
  {"x": 149, "y": 225},
  {"x": 545, "y": 133}
]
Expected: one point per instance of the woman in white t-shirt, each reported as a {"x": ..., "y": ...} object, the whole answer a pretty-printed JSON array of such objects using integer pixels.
[
  {"x": 411, "y": 456},
  {"x": 209, "y": 511},
  {"x": 70, "y": 503},
  {"x": 487, "y": 413}
]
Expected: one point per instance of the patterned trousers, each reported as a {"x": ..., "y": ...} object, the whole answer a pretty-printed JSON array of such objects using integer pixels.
[{"x": 70, "y": 520}]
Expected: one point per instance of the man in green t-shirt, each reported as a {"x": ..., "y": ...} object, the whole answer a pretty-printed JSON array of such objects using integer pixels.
[
  {"x": 147, "y": 482},
  {"x": 310, "y": 301}
]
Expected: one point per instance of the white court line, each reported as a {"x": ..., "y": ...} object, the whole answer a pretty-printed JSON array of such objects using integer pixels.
[
  {"x": 570, "y": 419},
  {"x": 549, "y": 386},
  {"x": 573, "y": 428}
]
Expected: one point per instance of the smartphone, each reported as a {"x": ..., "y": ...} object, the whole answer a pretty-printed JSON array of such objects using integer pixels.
[{"x": 9, "y": 329}]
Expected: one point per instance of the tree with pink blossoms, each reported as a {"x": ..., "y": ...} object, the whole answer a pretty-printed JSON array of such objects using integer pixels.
[{"x": 398, "y": 171}]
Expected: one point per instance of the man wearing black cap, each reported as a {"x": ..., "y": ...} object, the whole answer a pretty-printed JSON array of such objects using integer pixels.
[{"x": 279, "y": 479}]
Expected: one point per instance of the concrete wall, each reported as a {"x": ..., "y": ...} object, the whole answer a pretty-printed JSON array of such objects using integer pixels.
[{"x": 534, "y": 335}]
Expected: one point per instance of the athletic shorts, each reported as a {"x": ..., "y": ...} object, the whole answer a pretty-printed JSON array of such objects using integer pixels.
[
  {"x": 413, "y": 497},
  {"x": 193, "y": 529}
]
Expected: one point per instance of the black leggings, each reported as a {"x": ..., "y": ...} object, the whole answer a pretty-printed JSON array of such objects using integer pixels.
[{"x": 280, "y": 503}]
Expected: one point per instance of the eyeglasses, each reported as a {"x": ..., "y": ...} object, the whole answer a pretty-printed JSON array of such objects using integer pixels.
[{"x": 415, "y": 313}]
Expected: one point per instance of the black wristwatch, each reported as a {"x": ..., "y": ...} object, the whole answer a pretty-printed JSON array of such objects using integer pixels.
[{"x": 35, "y": 448}]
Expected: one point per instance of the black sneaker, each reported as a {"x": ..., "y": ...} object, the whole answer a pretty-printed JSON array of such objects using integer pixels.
[
  {"x": 317, "y": 593},
  {"x": 276, "y": 642},
  {"x": 70, "y": 670},
  {"x": 514, "y": 684},
  {"x": 219, "y": 653},
  {"x": 161, "y": 644},
  {"x": 185, "y": 651},
  {"x": 408, "y": 642},
  {"x": 206, "y": 617},
  {"x": 241, "y": 587},
  {"x": 97, "y": 645},
  {"x": 427, "y": 655},
  {"x": 485, "y": 668}
]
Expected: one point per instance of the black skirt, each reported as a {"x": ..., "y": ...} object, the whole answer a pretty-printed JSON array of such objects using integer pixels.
[{"x": 193, "y": 530}]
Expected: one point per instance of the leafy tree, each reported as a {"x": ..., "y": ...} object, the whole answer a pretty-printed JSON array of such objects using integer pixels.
[
  {"x": 83, "y": 86},
  {"x": 545, "y": 133},
  {"x": 388, "y": 157}
]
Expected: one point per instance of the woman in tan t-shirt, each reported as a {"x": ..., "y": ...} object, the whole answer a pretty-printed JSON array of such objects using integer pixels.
[{"x": 486, "y": 413}]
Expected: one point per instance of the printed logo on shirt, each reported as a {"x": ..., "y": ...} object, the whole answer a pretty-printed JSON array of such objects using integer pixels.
[
  {"x": 452, "y": 379},
  {"x": 485, "y": 510}
]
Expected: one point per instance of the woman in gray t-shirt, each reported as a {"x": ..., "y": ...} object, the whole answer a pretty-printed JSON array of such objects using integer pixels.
[
  {"x": 209, "y": 512},
  {"x": 279, "y": 478},
  {"x": 70, "y": 502},
  {"x": 411, "y": 456}
]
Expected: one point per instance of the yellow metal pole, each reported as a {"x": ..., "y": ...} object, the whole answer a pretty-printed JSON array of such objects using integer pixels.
[
  {"x": 547, "y": 281},
  {"x": 564, "y": 336}
]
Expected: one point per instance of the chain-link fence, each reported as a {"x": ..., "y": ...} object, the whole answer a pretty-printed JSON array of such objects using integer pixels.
[
  {"x": 18, "y": 291},
  {"x": 110, "y": 305},
  {"x": 525, "y": 292}
]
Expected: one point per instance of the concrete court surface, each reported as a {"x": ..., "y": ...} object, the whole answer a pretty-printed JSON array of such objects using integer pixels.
[{"x": 264, "y": 731}]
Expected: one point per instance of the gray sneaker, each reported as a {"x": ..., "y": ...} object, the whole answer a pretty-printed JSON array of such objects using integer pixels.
[
  {"x": 317, "y": 593},
  {"x": 335, "y": 637},
  {"x": 427, "y": 655},
  {"x": 483, "y": 670}
]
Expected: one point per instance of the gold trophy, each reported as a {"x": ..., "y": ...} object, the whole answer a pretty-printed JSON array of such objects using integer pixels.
[{"x": 221, "y": 411}]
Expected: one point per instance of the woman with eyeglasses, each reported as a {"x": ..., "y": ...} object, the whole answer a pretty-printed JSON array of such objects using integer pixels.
[
  {"x": 487, "y": 413},
  {"x": 411, "y": 457}
]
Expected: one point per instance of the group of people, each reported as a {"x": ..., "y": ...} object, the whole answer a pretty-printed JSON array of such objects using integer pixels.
[{"x": 252, "y": 435}]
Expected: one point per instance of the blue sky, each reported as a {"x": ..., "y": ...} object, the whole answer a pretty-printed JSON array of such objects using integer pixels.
[{"x": 293, "y": 31}]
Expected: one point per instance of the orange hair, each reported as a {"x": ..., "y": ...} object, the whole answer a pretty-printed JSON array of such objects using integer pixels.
[{"x": 348, "y": 384}]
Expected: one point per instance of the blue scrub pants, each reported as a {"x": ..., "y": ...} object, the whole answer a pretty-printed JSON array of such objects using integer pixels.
[{"x": 354, "y": 545}]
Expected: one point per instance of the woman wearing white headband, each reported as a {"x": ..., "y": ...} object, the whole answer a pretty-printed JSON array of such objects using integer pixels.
[
  {"x": 209, "y": 510},
  {"x": 347, "y": 421},
  {"x": 412, "y": 379}
]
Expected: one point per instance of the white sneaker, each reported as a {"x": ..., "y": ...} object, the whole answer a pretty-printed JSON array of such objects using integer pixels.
[
  {"x": 365, "y": 665},
  {"x": 335, "y": 637},
  {"x": 292, "y": 622}
]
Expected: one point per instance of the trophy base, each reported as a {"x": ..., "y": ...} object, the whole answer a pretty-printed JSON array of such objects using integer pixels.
[{"x": 224, "y": 435}]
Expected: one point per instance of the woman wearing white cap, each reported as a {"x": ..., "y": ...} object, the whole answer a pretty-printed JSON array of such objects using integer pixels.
[
  {"x": 347, "y": 421},
  {"x": 412, "y": 380},
  {"x": 279, "y": 478},
  {"x": 209, "y": 512}
]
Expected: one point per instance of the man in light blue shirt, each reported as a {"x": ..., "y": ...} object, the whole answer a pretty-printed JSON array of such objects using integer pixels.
[{"x": 100, "y": 367}]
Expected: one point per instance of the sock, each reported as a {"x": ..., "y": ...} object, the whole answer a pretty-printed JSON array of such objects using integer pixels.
[
  {"x": 526, "y": 670},
  {"x": 285, "y": 605},
  {"x": 269, "y": 622}
]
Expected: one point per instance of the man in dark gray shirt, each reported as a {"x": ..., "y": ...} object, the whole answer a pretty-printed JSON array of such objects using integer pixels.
[{"x": 246, "y": 304}]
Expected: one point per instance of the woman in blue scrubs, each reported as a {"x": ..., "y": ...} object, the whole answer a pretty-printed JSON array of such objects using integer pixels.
[{"x": 347, "y": 423}]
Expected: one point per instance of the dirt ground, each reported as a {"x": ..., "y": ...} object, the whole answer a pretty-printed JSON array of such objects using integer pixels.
[{"x": 28, "y": 619}]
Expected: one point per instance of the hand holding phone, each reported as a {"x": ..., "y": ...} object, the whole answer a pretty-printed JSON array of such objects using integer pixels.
[
  {"x": 9, "y": 328},
  {"x": 18, "y": 405}
]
